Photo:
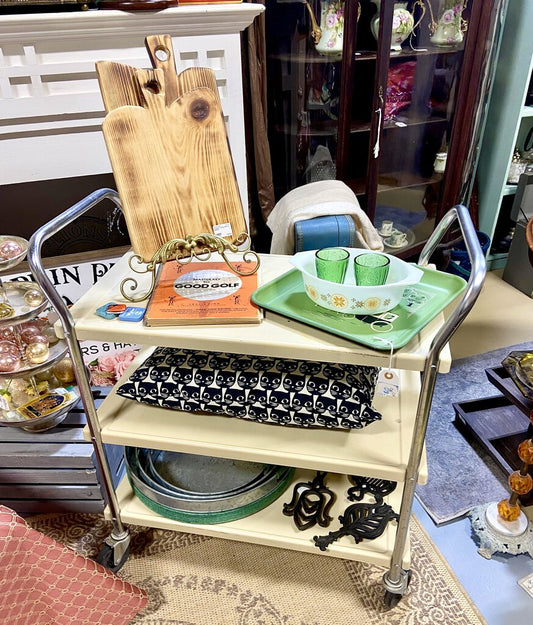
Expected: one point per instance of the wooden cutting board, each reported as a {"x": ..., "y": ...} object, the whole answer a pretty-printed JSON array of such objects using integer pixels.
[
  {"x": 120, "y": 88},
  {"x": 172, "y": 165}
]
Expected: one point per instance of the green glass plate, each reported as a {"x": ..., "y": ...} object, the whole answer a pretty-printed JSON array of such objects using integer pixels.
[{"x": 419, "y": 305}]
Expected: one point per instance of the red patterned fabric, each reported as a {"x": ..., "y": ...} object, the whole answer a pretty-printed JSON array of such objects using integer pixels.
[
  {"x": 400, "y": 81},
  {"x": 43, "y": 582}
]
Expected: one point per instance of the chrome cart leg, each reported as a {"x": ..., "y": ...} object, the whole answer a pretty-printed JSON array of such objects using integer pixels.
[
  {"x": 396, "y": 580},
  {"x": 116, "y": 548}
]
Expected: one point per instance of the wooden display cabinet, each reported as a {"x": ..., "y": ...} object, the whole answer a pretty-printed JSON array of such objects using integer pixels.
[{"x": 382, "y": 114}]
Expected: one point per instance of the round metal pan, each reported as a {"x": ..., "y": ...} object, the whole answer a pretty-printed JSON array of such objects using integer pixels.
[
  {"x": 141, "y": 457},
  {"x": 217, "y": 503},
  {"x": 202, "y": 476},
  {"x": 223, "y": 516},
  {"x": 268, "y": 490}
]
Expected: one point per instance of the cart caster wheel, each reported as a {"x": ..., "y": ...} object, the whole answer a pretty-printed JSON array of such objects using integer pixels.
[
  {"x": 106, "y": 558},
  {"x": 392, "y": 599}
]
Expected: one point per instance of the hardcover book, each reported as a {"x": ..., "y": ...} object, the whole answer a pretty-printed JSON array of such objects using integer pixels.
[{"x": 202, "y": 292}]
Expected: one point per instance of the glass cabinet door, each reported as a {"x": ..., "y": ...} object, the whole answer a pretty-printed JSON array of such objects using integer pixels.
[
  {"x": 420, "y": 59},
  {"x": 304, "y": 77},
  {"x": 387, "y": 100}
]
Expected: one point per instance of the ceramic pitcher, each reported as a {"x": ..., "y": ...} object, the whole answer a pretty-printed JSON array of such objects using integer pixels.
[
  {"x": 403, "y": 23},
  {"x": 450, "y": 24},
  {"x": 332, "y": 27}
]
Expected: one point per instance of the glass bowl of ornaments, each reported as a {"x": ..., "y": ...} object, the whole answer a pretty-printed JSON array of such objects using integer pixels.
[
  {"x": 12, "y": 251},
  {"x": 37, "y": 381}
]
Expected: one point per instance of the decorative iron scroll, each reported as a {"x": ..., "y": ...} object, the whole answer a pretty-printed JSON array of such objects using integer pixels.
[
  {"x": 199, "y": 247},
  {"x": 360, "y": 521},
  {"x": 311, "y": 503},
  {"x": 372, "y": 485}
]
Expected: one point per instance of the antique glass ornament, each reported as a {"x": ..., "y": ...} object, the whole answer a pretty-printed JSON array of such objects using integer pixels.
[
  {"x": 9, "y": 347},
  {"x": 7, "y": 333},
  {"x": 9, "y": 363},
  {"x": 6, "y": 310},
  {"x": 525, "y": 451},
  {"x": 508, "y": 510},
  {"x": 37, "y": 353},
  {"x": 40, "y": 338},
  {"x": 519, "y": 483},
  {"x": 33, "y": 297},
  {"x": 10, "y": 249},
  {"x": 64, "y": 371},
  {"x": 29, "y": 332},
  {"x": 50, "y": 334}
]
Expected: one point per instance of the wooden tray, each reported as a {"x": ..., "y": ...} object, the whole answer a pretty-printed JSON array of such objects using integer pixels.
[
  {"x": 499, "y": 427},
  {"x": 504, "y": 383}
]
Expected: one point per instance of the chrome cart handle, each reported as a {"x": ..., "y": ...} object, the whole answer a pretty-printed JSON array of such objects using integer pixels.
[
  {"x": 477, "y": 274},
  {"x": 119, "y": 533},
  {"x": 48, "y": 230},
  {"x": 395, "y": 578}
]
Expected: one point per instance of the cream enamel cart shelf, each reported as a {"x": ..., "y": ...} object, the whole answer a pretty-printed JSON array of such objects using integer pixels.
[{"x": 390, "y": 449}]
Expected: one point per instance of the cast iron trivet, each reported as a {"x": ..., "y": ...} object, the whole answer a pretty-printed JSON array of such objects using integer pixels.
[
  {"x": 372, "y": 485},
  {"x": 311, "y": 503},
  {"x": 360, "y": 520}
]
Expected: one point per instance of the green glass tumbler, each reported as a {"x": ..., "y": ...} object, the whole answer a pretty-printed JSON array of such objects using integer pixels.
[
  {"x": 371, "y": 269},
  {"x": 331, "y": 263}
]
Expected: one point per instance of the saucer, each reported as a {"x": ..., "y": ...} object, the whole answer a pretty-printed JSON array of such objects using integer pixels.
[
  {"x": 401, "y": 230},
  {"x": 388, "y": 242}
]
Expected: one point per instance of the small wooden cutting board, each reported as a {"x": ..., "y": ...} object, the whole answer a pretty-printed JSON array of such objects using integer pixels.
[{"x": 172, "y": 165}]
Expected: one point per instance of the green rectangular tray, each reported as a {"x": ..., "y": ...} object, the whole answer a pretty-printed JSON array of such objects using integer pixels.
[{"x": 419, "y": 305}]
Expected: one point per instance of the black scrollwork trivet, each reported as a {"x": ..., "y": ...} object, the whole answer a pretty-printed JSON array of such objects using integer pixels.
[
  {"x": 372, "y": 485},
  {"x": 311, "y": 503},
  {"x": 360, "y": 520}
]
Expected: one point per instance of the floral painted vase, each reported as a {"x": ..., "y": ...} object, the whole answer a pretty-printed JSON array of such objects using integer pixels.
[
  {"x": 403, "y": 24},
  {"x": 450, "y": 24},
  {"x": 332, "y": 27}
]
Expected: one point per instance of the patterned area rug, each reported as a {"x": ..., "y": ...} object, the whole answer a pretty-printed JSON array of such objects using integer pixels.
[
  {"x": 462, "y": 474},
  {"x": 196, "y": 580}
]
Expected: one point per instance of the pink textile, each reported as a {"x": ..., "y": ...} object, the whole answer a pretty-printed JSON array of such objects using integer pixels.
[
  {"x": 400, "y": 81},
  {"x": 43, "y": 582}
]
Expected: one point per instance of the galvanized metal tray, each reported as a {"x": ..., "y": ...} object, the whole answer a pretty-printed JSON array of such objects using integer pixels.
[
  {"x": 202, "y": 477},
  {"x": 208, "y": 508}
]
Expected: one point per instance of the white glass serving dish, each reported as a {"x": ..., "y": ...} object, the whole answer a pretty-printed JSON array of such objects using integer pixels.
[{"x": 350, "y": 298}]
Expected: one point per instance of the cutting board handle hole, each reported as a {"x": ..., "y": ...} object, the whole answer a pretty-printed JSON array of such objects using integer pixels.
[
  {"x": 153, "y": 86},
  {"x": 162, "y": 54}
]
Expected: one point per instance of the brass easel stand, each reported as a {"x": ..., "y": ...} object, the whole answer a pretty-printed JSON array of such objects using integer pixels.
[{"x": 200, "y": 247}]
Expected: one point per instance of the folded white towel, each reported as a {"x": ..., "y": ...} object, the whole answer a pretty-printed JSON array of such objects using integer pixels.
[{"x": 316, "y": 199}]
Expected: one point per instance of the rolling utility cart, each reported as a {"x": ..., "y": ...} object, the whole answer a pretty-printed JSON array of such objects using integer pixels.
[{"x": 389, "y": 449}]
